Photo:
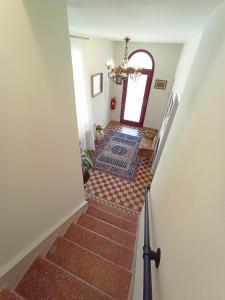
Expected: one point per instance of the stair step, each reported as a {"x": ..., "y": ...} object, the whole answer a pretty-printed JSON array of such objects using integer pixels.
[
  {"x": 112, "y": 219},
  {"x": 113, "y": 209},
  {"x": 112, "y": 232},
  {"x": 105, "y": 247},
  {"x": 6, "y": 294},
  {"x": 46, "y": 281},
  {"x": 91, "y": 268}
]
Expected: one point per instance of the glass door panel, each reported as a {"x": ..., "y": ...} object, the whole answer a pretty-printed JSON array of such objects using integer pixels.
[{"x": 135, "y": 98}]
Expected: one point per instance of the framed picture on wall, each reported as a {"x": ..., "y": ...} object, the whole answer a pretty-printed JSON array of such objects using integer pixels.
[
  {"x": 160, "y": 84},
  {"x": 119, "y": 80},
  {"x": 96, "y": 84}
]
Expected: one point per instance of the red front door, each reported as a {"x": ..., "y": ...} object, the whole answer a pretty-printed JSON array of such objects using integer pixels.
[{"x": 136, "y": 93}]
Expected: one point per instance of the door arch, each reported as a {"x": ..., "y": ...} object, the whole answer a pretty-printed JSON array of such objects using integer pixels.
[{"x": 136, "y": 93}]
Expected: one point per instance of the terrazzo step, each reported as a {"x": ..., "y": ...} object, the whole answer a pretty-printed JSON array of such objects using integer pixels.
[
  {"x": 107, "y": 230},
  {"x": 112, "y": 219},
  {"x": 98, "y": 244},
  {"x": 46, "y": 281},
  {"x": 113, "y": 209},
  {"x": 6, "y": 294},
  {"x": 92, "y": 268}
]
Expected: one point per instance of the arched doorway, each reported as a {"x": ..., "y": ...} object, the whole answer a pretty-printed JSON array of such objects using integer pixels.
[{"x": 136, "y": 93}]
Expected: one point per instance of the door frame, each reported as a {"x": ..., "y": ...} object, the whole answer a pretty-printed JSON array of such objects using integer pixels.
[
  {"x": 149, "y": 73},
  {"x": 164, "y": 130}
]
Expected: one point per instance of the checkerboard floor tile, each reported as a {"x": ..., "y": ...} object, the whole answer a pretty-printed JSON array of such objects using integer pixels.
[{"x": 122, "y": 192}]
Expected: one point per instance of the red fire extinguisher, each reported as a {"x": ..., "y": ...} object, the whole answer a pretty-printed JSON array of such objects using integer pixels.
[{"x": 113, "y": 103}]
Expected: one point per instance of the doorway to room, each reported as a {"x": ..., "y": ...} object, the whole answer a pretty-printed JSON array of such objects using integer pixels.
[{"x": 136, "y": 93}]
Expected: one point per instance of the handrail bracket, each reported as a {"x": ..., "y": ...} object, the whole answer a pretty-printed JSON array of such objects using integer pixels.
[{"x": 152, "y": 255}]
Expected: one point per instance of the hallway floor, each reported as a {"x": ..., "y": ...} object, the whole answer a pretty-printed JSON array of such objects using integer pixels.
[{"x": 108, "y": 188}]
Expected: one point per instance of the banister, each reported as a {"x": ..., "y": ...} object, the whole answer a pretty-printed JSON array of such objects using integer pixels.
[{"x": 148, "y": 254}]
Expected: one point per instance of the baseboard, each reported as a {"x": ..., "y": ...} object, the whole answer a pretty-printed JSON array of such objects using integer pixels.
[
  {"x": 15, "y": 269},
  {"x": 137, "y": 288},
  {"x": 133, "y": 270}
]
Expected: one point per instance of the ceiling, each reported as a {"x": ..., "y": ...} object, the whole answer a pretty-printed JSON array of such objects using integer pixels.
[{"x": 174, "y": 21}]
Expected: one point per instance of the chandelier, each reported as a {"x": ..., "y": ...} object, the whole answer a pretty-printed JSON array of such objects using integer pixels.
[{"x": 122, "y": 71}]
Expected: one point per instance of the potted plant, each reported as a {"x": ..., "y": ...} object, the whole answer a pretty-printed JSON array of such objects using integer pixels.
[
  {"x": 99, "y": 132},
  {"x": 87, "y": 164},
  {"x": 99, "y": 128}
]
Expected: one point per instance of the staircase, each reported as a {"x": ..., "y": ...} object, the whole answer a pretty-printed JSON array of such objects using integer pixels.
[{"x": 94, "y": 260}]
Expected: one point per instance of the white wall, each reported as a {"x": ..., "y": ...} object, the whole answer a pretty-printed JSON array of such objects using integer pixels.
[
  {"x": 182, "y": 72},
  {"x": 166, "y": 58},
  {"x": 185, "y": 63},
  {"x": 188, "y": 189},
  {"x": 40, "y": 173},
  {"x": 99, "y": 52}
]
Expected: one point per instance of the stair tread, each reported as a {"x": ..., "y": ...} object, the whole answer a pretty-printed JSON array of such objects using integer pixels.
[
  {"x": 6, "y": 294},
  {"x": 92, "y": 268},
  {"x": 110, "y": 231},
  {"x": 103, "y": 246},
  {"x": 112, "y": 219},
  {"x": 46, "y": 281},
  {"x": 113, "y": 209}
]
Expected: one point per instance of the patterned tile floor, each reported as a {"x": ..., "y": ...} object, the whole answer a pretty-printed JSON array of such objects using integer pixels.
[{"x": 106, "y": 187}]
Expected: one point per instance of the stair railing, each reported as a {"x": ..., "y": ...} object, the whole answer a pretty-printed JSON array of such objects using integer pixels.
[{"x": 148, "y": 254}]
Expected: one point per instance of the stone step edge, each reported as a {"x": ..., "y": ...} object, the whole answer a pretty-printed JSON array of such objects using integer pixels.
[
  {"x": 113, "y": 215},
  {"x": 100, "y": 220},
  {"x": 114, "y": 206},
  {"x": 70, "y": 274},
  {"x": 96, "y": 254},
  {"x": 101, "y": 236}
]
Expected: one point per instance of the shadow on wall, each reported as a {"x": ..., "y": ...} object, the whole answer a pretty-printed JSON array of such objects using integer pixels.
[
  {"x": 202, "y": 65},
  {"x": 44, "y": 42}
]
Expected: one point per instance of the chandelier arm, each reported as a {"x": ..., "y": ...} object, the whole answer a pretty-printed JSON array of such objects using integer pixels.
[{"x": 122, "y": 71}]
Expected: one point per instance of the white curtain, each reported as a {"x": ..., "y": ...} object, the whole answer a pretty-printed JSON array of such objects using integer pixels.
[{"x": 82, "y": 93}]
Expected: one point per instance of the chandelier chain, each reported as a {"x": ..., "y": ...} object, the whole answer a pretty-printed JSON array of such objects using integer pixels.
[{"x": 126, "y": 50}]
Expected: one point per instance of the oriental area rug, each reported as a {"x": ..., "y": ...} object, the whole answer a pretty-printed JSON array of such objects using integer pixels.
[{"x": 117, "y": 154}]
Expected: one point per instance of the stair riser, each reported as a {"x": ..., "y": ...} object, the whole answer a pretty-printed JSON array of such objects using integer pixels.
[
  {"x": 114, "y": 233},
  {"x": 111, "y": 219},
  {"x": 44, "y": 280},
  {"x": 98, "y": 244},
  {"x": 91, "y": 268},
  {"x": 114, "y": 210}
]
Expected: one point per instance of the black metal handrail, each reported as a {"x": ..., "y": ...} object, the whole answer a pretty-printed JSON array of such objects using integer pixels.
[{"x": 148, "y": 254}]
